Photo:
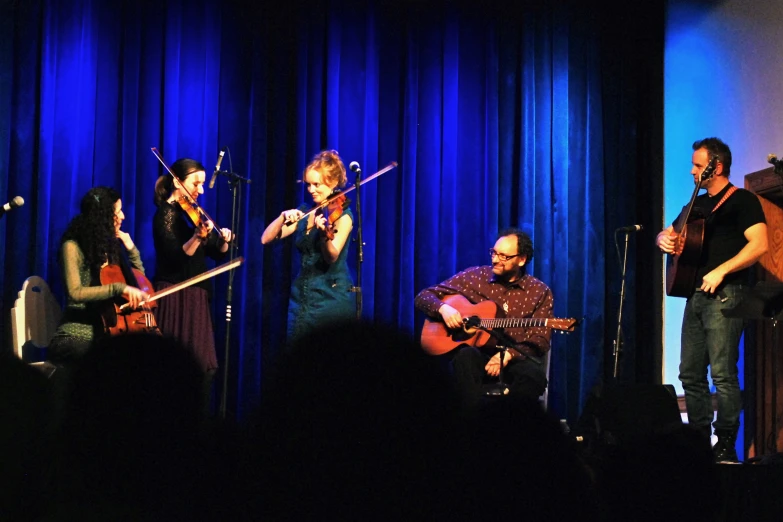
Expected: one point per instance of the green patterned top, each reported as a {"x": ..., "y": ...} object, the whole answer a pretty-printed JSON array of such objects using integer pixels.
[{"x": 81, "y": 318}]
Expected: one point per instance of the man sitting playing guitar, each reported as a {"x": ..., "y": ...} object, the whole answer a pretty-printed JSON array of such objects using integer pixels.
[{"x": 518, "y": 295}]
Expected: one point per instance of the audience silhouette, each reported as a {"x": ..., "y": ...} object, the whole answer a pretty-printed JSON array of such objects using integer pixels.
[
  {"x": 355, "y": 422},
  {"x": 358, "y": 423},
  {"x": 26, "y": 434},
  {"x": 133, "y": 443}
]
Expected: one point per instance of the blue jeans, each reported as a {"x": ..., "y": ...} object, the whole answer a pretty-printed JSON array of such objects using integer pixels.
[{"x": 710, "y": 339}]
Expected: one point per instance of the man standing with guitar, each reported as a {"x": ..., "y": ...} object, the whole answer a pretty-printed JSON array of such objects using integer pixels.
[
  {"x": 734, "y": 238},
  {"x": 516, "y": 295}
]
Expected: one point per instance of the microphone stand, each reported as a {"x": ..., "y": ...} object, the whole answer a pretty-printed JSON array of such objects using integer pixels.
[
  {"x": 360, "y": 247},
  {"x": 618, "y": 340},
  {"x": 234, "y": 181},
  {"x": 507, "y": 342}
]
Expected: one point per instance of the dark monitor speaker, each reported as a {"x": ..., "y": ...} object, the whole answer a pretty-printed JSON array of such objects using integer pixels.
[{"x": 620, "y": 413}]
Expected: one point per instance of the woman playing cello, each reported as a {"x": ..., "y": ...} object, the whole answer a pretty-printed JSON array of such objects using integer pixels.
[
  {"x": 181, "y": 247},
  {"x": 322, "y": 290},
  {"x": 89, "y": 243}
]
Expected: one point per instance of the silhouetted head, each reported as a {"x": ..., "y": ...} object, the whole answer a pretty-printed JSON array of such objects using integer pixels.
[{"x": 357, "y": 419}]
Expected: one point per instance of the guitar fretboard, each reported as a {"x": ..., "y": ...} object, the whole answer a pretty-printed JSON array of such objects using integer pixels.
[{"x": 513, "y": 323}]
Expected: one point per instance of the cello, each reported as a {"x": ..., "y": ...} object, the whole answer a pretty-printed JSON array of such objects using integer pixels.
[
  {"x": 118, "y": 318},
  {"x": 121, "y": 319}
]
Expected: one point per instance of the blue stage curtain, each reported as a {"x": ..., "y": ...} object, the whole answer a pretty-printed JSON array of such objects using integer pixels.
[{"x": 494, "y": 114}]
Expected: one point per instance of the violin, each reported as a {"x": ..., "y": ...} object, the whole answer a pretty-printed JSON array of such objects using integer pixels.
[
  {"x": 334, "y": 209},
  {"x": 118, "y": 318},
  {"x": 338, "y": 199},
  {"x": 187, "y": 202}
]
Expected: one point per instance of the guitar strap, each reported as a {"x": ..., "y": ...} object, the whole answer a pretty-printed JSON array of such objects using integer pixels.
[{"x": 728, "y": 193}]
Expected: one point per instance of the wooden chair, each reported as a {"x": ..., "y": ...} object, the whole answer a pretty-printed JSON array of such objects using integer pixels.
[{"x": 34, "y": 319}]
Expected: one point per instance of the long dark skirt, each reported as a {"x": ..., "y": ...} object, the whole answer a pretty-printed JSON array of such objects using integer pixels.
[{"x": 185, "y": 316}]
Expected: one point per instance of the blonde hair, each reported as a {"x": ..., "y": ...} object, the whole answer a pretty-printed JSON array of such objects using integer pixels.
[{"x": 330, "y": 166}]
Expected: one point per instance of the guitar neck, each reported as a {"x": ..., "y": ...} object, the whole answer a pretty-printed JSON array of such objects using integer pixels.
[
  {"x": 514, "y": 323},
  {"x": 705, "y": 175}
]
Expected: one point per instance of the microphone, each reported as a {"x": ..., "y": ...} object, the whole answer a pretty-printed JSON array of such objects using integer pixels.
[
  {"x": 773, "y": 160},
  {"x": 354, "y": 166},
  {"x": 217, "y": 167},
  {"x": 16, "y": 202},
  {"x": 630, "y": 228}
]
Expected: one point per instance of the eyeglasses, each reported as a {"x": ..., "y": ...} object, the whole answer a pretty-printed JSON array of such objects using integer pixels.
[{"x": 502, "y": 257}]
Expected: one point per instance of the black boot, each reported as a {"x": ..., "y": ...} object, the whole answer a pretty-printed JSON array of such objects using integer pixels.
[{"x": 724, "y": 450}]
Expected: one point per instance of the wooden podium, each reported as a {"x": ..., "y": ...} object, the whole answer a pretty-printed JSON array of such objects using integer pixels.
[{"x": 760, "y": 436}]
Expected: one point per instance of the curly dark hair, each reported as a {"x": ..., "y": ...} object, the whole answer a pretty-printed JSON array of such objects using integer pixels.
[
  {"x": 93, "y": 229},
  {"x": 524, "y": 243}
]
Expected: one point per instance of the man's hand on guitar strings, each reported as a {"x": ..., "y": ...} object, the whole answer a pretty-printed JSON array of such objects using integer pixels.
[
  {"x": 451, "y": 316},
  {"x": 666, "y": 241}
]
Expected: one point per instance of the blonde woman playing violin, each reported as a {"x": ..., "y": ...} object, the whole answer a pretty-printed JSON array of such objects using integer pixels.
[{"x": 322, "y": 290}]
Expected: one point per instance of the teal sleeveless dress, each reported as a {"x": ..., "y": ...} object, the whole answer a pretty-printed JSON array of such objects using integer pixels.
[{"x": 321, "y": 292}]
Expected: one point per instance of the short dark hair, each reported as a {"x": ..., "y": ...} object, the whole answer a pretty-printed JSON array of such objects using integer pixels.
[
  {"x": 716, "y": 147},
  {"x": 524, "y": 243}
]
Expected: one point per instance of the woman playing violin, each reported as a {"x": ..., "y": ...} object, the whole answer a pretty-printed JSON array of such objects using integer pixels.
[
  {"x": 321, "y": 291},
  {"x": 89, "y": 243},
  {"x": 181, "y": 247}
]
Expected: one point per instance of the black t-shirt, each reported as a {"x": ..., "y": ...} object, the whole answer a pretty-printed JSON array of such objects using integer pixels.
[{"x": 724, "y": 231}]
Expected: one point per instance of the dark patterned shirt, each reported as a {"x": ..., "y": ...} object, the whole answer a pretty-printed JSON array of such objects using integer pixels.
[{"x": 526, "y": 297}]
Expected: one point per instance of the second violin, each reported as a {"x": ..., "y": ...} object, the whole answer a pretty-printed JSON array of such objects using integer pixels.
[{"x": 185, "y": 193}]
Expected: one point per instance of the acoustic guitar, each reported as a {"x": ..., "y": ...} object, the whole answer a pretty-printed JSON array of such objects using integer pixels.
[
  {"x": 681, "y": 266},
  {"x": 437, "y": 339}
]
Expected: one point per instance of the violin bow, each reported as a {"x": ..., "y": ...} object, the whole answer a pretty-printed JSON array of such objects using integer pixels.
[
  {"x": 192, "y": 281},
  {"x": 336, "y": 195},
  {"x": 178, "y": 183}
]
